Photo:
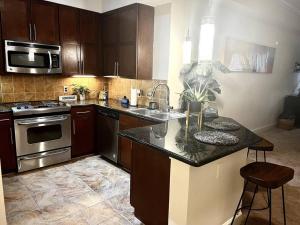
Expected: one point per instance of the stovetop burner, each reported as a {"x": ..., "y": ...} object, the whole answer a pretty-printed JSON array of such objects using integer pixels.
[{"x": 39, "y": 107}]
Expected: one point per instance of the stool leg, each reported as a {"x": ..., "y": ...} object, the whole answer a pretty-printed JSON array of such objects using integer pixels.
[
  {"x": 237, "y": 208},
  {"x": 283, "y": 205},
  {"x": 270, "y": 208},
  {"x": 251, "y": 204}
]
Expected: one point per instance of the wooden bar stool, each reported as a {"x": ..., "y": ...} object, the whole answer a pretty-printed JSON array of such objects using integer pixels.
[
  {"x": 269, "y": 176},
  {"x": 264, "y": 145}
]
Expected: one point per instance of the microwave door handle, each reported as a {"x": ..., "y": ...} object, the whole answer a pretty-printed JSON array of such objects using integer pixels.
[{"x": 50, "y": 60}]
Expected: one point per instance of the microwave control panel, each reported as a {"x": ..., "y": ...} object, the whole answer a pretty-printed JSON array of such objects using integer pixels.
[{"x": 55, "y": 61}]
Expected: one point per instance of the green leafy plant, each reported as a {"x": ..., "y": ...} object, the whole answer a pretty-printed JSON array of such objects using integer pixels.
[
  {"x": 199, "y": 84},
  {"x": 80, "y": 89}
]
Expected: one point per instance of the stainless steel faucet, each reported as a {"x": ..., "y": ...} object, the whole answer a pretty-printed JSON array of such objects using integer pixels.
[{"x": 168, "y": 94}]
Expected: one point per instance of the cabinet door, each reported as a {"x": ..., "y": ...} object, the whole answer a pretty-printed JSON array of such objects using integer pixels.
[
  {"x": 109, "y": 53},
  {"x": 7, "y": 150},
  {"x": 83, "y": 131},
  {"x": 127, "y": 42},
  {"x": 15, "y": 20},
  {"x": 88, "y": 27},
  {"x": 109, "y": 43},
  {"x": 70, "y": 39},
  {"x": 44, "y": 16},
  {"x": 89, "y": 57},
  {"x": 69, "y": 25},
  {"x": 71, "y": 58},
  {"x": 125, "y": 145}
]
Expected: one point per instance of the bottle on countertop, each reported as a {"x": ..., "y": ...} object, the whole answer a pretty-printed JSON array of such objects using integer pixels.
[{"x": 125, "y": 102}]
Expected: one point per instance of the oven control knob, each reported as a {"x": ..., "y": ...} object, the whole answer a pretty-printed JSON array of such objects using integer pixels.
[
  {"x": 26, "y": 107},
  {"x": 18, "y": 107}
]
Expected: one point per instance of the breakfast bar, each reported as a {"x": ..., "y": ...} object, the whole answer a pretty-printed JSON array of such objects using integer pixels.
[{"x": 201, "y": 180}]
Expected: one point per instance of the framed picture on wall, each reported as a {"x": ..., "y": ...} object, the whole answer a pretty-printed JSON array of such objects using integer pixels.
[{"x": 242, "y": 56}]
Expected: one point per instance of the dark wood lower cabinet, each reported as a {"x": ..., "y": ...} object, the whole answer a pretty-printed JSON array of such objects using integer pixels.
[
  {"x": 7, "y": 149},
  {"x": 83, "y": 131},
  {"x": 125, "y": 145},
  {"x": 150, "y": 184}
]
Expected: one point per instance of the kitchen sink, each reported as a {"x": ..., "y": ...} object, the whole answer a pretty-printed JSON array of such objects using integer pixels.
[
  {"x": 156, "y": 114},
  {"x": 168, "y": 116},
  {"x": 144, "y": 111}
]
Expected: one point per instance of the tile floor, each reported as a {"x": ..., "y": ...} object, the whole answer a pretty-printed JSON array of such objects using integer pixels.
[
  {"x": 86, "y": 192},
  {"x": 92, "y": 192}
]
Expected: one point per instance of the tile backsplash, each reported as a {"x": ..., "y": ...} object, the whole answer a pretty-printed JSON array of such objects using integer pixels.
[{"x": 17, "y": 88}]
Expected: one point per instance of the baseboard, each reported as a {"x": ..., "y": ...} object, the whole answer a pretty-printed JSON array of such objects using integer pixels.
[
  {"x": 265, "y": 128},
  {"x": 228, "y": 222}
]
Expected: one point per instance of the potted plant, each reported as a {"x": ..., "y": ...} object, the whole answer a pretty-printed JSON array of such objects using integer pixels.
[
  {"x": 80, "y": 90},
  {"x": 199, "y": 85}
]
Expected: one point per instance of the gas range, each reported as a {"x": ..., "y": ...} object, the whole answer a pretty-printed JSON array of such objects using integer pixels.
[{"x": 39, "y": 107}]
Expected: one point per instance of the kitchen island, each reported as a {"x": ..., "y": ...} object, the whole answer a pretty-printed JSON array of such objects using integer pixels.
[{"x": 178, "y": 180}]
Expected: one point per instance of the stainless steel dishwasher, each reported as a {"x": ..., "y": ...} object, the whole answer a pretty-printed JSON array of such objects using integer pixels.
[{"x": 107, "y": 133}]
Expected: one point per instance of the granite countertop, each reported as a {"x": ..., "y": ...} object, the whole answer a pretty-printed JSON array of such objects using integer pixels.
[
  {"x": 4, "y": 108},
  {"x": 170, "y": 139},
  {"x": 114, "y": 105}
]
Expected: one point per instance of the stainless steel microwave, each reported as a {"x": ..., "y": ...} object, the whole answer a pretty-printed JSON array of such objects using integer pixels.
[{"x": 33, "y": 58}]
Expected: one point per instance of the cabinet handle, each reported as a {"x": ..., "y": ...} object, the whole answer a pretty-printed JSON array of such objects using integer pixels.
[
  {"x": 117, "y": 68},
  {"x": 83, "y": 66},
  {"x": 85, "y": 112},
  {"x": 34, "y": 29},
  {"x": 30, "y": 32},
  {"x": 11, "y": 136},
  {"x": 74, "y": 127},
  {"x": 4, "y": 120}
]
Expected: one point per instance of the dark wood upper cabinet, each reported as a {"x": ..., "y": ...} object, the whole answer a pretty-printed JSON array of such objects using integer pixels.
[
  {"x": 79, "y": 32},
  {"x": 69, "y": 25},
  {"x": 25, "y": 20},
  {"x": 44, "y": 17},
  {"x": 127, "y": 42},
  {"x": 70, "y": 39},
  {"x": 15, "y": 20},
  {"x": 7, "y": 150},
  {"x": 83, "y": 131},
  {"x": 89, "y": 27}
]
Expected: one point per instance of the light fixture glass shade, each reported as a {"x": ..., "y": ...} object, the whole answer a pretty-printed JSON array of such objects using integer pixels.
[{"x": 206, "y": 42}]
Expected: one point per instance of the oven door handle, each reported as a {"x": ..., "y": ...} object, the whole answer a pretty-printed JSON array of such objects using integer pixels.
[
  {"x": 26, "y": 122},
  {"x": 46, "y": 154}
]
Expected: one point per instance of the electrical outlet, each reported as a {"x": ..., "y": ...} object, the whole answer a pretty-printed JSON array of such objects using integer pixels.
[{"x": 65, "y": 89}]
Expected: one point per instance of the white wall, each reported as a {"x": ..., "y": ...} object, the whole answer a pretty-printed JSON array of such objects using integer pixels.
[
  {"x": 255, "y": 100},
  {"x": 161, "y": 45},
  {"x": 93, "y": 5}
]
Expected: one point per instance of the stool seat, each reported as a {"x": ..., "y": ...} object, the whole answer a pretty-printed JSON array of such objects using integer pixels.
[
  {"x": 267, "y": 175},
  {"x": 263, "y": 145}
]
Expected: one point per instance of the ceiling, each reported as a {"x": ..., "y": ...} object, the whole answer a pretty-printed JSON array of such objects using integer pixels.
[{"x": 293, "y": 4}]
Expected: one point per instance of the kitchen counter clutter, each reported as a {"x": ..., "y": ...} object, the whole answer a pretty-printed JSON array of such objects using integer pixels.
[{"x": 170, "y": 138}]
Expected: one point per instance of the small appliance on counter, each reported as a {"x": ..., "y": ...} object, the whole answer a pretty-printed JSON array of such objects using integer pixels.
[
  {"x": 134, "y": 96},
  {"x": 125, "y": 102},
  {"x": 103, "y": 95},
  {"x": 67, "y": 98}
]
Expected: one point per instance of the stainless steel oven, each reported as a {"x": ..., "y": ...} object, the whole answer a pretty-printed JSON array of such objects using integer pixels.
[
  {"x": 33, "y": 58},
  {"x": 42, "y": 141}
]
